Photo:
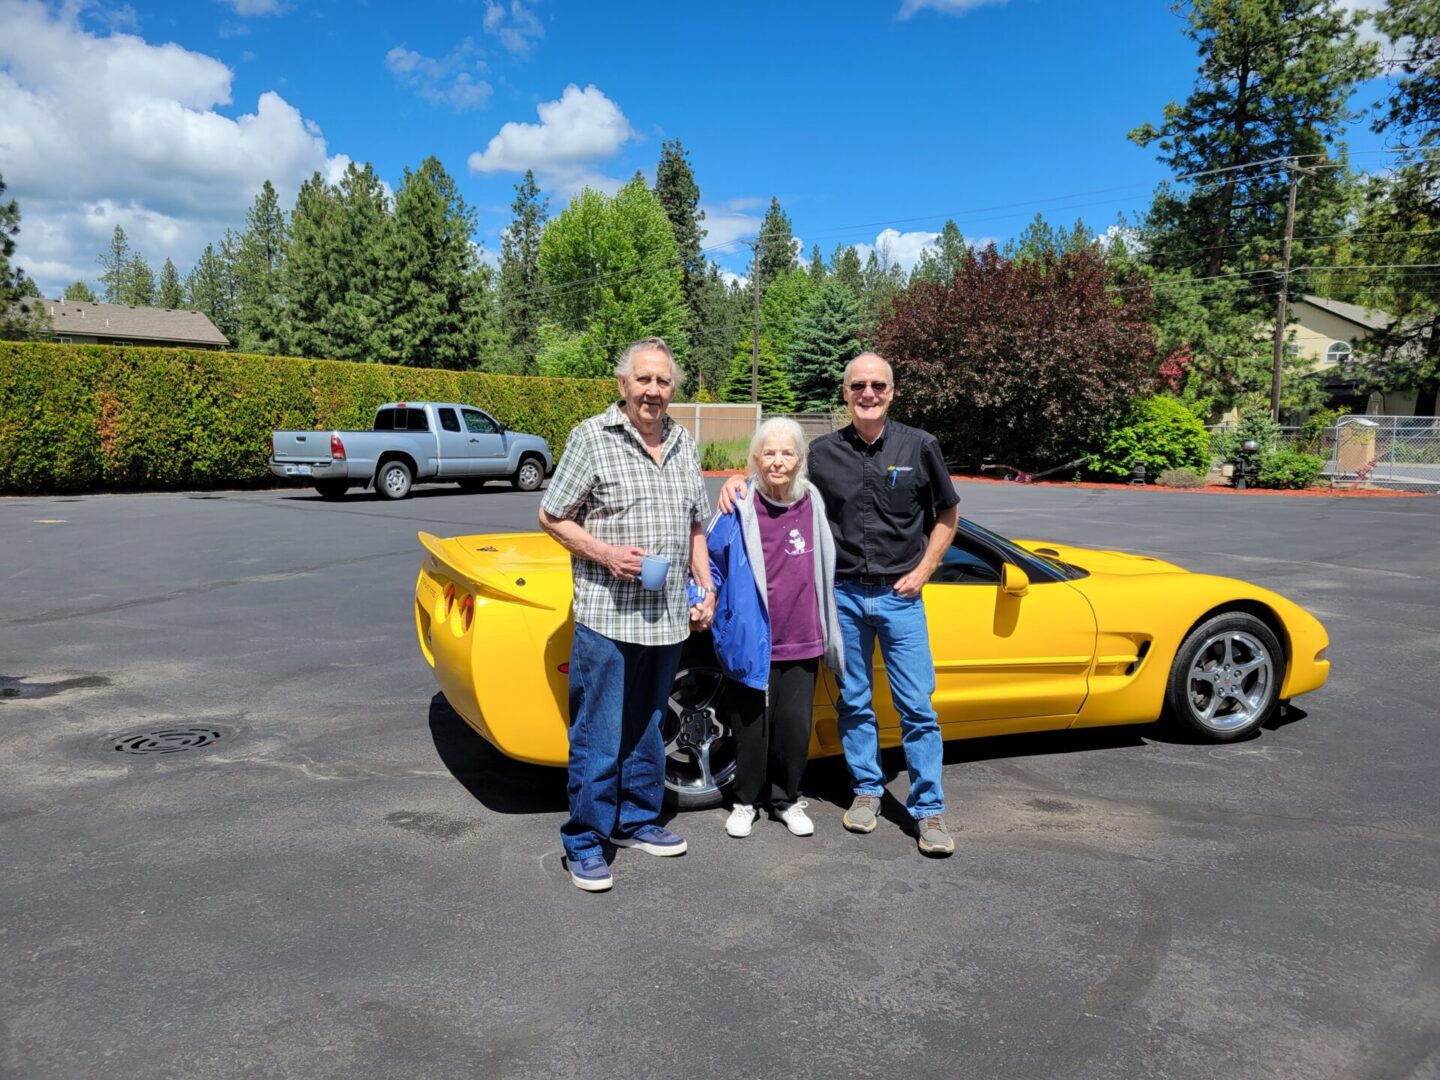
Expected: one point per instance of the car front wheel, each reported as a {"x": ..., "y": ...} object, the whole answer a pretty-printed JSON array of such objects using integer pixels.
[
  {"x": 699, "y": 746},
  {"x": 1225, "y": 682}
]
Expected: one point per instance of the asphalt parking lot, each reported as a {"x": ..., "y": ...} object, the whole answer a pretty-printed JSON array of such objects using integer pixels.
[{"x": 347, "y": 882}]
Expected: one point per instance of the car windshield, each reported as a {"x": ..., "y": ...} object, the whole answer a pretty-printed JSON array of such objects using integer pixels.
[{"x": 1013, "y": 552}]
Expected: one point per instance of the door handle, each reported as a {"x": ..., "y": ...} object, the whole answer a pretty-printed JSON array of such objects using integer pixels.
[{"x": 474, "y": 440}]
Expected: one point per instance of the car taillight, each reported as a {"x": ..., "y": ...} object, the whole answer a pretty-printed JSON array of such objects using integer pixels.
[
  {"x": 449, "y": 599},
  {"x": 337, "y": 448},
  {"x": 467, "y": 611}
]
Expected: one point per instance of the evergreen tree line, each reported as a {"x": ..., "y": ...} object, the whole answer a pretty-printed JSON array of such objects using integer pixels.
[{"x": 353, "y": 272}]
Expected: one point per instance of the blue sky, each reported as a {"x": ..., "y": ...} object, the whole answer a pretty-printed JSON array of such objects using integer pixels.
[{"x": 859, "y": 117}]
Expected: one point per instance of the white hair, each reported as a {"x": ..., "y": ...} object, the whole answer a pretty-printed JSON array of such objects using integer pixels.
[
  {"x": 649, "y": 344},
  {"x": 780, "y": 425}
]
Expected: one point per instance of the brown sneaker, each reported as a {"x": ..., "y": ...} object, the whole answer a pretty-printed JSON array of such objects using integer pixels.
[
  {"x": 861, "y": 815},
  {"x": 934, "y": 838}
]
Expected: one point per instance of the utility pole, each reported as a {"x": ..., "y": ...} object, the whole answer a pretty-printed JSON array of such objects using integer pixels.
[{"x": 1293, "y": 166}]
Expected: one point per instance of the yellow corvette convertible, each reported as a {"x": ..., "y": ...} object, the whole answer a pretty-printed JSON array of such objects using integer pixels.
[{"x": 1027, "y": 636}]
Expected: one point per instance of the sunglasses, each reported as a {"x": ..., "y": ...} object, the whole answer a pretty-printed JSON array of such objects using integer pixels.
[{"x": 878, "y": 386}]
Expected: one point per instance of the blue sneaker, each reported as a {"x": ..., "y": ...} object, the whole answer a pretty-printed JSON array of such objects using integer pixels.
[
  {"x": 591, "y": 873},
  {"x": 655, "y": 840}
]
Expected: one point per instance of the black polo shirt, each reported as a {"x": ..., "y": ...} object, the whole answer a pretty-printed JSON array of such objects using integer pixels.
[{"x": 881, "y": 497}]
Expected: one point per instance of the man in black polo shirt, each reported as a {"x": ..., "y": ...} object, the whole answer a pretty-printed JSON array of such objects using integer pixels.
[{"x": 893, "y": 512}]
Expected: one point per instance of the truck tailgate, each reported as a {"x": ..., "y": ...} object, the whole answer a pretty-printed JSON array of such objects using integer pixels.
[{"x": 302, "y": 447}]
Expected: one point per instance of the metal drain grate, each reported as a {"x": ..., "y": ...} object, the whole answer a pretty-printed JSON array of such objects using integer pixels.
[{"x": 168, "y": 741}]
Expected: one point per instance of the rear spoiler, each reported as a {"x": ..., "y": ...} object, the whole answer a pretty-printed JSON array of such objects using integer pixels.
[{"x": 457, "y": 559}]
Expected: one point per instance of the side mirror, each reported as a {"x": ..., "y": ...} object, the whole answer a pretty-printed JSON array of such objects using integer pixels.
[{"x": 1013, "y": 580}]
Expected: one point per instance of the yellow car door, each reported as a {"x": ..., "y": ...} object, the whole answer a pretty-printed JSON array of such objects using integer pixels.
[{"x": 1006, "y": 659}]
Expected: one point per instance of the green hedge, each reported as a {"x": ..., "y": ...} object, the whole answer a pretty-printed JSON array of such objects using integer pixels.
[
  {"x": 85, "y": 417},
  {"x": 1158, "y": 433}
]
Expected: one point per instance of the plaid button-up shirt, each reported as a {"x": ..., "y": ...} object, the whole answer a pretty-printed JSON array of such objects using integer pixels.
[{"x": 608, "y": 482}]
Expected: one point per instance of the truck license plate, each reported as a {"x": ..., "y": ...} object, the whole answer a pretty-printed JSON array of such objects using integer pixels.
[{"x": 297, "y": 470}]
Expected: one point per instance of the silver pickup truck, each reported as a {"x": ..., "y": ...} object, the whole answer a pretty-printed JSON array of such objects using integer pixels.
[{"x": 410, "y": 441}]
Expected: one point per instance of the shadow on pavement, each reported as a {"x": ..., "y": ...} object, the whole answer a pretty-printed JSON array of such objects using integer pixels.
[{"x": 499, "y": 783}]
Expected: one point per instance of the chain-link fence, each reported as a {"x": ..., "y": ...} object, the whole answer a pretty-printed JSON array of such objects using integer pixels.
[{"x": 1401, "y": 453}]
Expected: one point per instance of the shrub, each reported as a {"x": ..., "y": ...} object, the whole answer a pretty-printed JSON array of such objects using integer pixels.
[
  {"x": 723, "y": 456},
  {"x": 95, "y": 416},
  {"x": 1285, "y": 468},
  {"x": 1181, "y": 478},
  {"x": 1158, "y": 433}
]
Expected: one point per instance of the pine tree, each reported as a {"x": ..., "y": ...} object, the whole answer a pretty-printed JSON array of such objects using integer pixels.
[
  {"x": 678, "y": 193},
  {"x": 17, "y": 320},
  {"x": 314, "y": 268},
  {"x": 428, "y": 303},
  {"x": 116, "y": 263},
  {"x": 777, "y": 244},
  {"x": 260, "y": 286},
  {"x": 80, "y": 292},
  {"x": 774, "y": 387},
  {"x": 139, "y": 289},
  {"x": 210, "y": 288},
  {"x": 816, "y": 268},
  {"x": 519, "y": 300},
  {"x": 364, "y": 230},
  {"x": 170, "y": 293},
  {"x": 722, "y": 311},
  {"x": 824, "y": 342},
  {"x": 845, "y": 268},
  {"x": 942, "y": 261}
]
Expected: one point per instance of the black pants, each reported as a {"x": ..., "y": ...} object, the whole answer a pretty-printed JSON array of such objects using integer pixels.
[{"x": 772, "y": 743}]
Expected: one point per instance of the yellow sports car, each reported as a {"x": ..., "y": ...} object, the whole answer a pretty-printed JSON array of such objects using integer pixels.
[{"x": 1026, "y": 635}]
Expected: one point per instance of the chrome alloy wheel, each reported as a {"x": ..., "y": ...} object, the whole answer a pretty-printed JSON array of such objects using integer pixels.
[
  {"x": 1231, "y": 681},
  {"x": 699, "y": 747}
]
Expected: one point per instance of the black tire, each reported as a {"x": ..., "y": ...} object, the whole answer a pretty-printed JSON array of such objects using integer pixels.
[
  {"x": 393, "y": 480},
  {"x": 1225, "y": 682},
  {"x": 699, "y": 746},
  {"x": 332, "y": 489},
  {"x": 530, "y": 474},
  {"x": 472, "y": 484}
]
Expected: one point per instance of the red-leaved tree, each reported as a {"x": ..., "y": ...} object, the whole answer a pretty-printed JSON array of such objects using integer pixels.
[{"x": 1022, "y": 361}]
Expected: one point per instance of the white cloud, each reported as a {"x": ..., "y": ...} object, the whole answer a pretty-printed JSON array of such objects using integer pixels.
[
  {"x": 518, "y": 29},
  {"x": 106, "y": 130},
  {"x": 730, "y": 278},
  {"x": 897, "y": 247},
  {"x": 246, "y": 8},
  {"x": 449, "y": 80},
  {"x": 724, "y": 225},
  {"x": 575, "y": 133},
  {"x": 944, "y": 7}
]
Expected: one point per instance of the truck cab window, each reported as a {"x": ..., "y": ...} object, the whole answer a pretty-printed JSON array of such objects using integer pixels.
[
  {"x": 415, "y": 420},
  {"x": 478, "y": 423},
  {"x": 385, "y": 420},
  {"x": 448, "y": 420}
]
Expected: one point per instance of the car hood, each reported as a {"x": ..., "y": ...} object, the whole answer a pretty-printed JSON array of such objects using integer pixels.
[{"x": 1097, "y": 561}]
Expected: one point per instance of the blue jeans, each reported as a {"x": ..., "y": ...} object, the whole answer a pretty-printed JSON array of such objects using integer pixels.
[
  {"x": 865, "y": 612},
  {"x": 618, "y": 693}
]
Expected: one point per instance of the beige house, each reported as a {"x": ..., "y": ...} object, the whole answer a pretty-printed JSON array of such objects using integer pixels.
[
  {"x": 73, "y": 322},
  {"x": 1326, "y": 332}
]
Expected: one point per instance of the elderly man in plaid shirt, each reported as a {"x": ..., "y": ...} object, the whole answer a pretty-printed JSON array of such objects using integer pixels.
[{"x": 627, "y": 486}]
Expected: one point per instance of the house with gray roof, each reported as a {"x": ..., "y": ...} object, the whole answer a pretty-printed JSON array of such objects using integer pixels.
[
  {"x": 74, "y": 322},
  {"x": 1325, "y": 332}
]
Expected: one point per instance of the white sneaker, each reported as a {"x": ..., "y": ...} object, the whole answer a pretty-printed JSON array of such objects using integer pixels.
[
  {"x": 740, "y": 819},
  {"x": 796, "y": 820}
]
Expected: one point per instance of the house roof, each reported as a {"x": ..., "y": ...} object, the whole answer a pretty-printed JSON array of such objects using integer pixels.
[
  {"x": 133, "y": 323},
  {"x": 1369, "y": 318}
]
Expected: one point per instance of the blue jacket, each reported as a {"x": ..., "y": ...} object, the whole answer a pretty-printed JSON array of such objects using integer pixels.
[{"x": 741, "y": 628}]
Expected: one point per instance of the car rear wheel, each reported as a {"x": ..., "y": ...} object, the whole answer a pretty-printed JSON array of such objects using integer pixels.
[
  {"x": 331, "y": 489},
  {"x": 699, "y": 746},
  {"x": 393, "y": 480},
  {"x": 529, "y": 475},
  {"x": 1225, "y": 682}
]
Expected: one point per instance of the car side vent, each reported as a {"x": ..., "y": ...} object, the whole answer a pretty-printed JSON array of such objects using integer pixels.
[{"x": 1139, "y": 658}]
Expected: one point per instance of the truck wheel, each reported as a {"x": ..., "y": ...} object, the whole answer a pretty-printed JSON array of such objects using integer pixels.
[
  {"x": 393, "y": 480},
  {"x": 332, "y": 489},
  {"x": 529, "y": 475}
]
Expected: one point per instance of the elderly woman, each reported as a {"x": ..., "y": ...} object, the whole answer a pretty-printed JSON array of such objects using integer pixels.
[{"x": 773, "y": 561}]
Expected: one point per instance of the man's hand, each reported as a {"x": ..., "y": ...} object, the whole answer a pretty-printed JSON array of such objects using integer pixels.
[
  {"x": 703, "y": 613},
  {"x": 623, "y": 562},
  {"x": 910, "y": 585},
  {"x": 734, "y": 489}
]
